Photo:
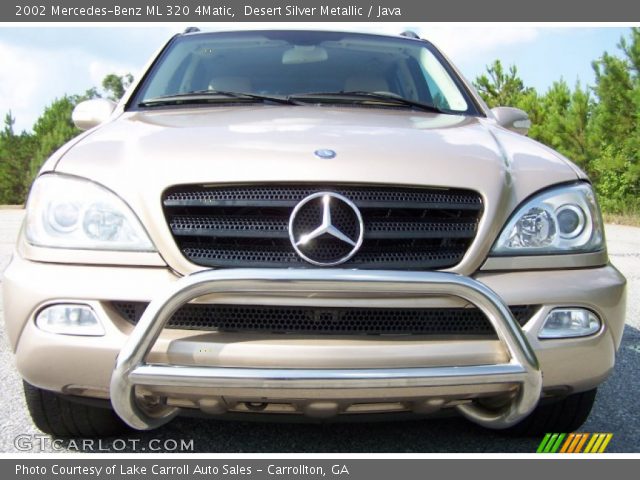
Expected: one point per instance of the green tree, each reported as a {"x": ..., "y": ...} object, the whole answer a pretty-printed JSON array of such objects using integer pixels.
[
  {"x": 615, "y": 136},
  {"x": 631, "y": 50},
  {"x": 22, "y": 156},
  {"x": 505, "y": 88},
  {"x": 115, "y": 85},
  {"x": 576, "y": 143},
  {"x": 15, "y": 154},
  {"x": 597, "y": 127},
  {"x": 499, "y": 87},
  {"x": 565, "y": 126},
  {"x": 52, "y": 130},
  {"x": 614, "y": 114}
]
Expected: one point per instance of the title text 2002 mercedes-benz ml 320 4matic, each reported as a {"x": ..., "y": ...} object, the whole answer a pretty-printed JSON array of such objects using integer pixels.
[{"x": 319, "y": 224}]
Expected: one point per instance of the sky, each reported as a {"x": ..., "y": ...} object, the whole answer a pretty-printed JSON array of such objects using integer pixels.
[{"x": 39, "y": 64}]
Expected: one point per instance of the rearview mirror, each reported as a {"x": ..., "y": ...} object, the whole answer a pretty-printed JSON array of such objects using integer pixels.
[
  {"x": 91, "y": 113},
  {"x": 512, "y": 119},
  {"x": 304, "y": 54}
]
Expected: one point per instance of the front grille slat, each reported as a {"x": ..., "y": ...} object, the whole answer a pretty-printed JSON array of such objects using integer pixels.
[
  {"x": 419, "y": 229},
  {"x": 329, "y": 320},
  {"x": 292, "y": 203},
  {"x": 248, "y": 226},
  {"x": 257, "y": 256},
  {"x": 249, "y": 257},
  {"x": 289, "y": 196},
  {"x": 230, "y": 203},
  {"x": 229, "y": 226}
]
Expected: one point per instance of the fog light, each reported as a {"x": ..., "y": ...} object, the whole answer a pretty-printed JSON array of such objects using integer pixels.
[
  {"x": 570, "y": 322},
  {"x": 70, "y": 320}
]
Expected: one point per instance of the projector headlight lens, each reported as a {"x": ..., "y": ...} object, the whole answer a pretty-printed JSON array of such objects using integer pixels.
[
  {"x": 562, "y": 220},
  {"x": 69, "y": 212}
]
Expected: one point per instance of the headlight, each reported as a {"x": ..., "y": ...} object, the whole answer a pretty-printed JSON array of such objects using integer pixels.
[
  {"x": 562, "y": 220},
  {"x": 68, "y": 212}
]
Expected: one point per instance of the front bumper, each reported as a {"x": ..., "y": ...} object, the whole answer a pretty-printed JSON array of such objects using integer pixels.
[
  {"x": 131, "y": 369},
  {"x": 214, "y": 370}
]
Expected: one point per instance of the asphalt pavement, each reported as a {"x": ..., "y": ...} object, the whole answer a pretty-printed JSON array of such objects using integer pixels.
[{"x": 615, "y": 410}]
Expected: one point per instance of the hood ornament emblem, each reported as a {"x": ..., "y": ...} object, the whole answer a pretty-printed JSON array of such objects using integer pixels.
[
  {"x": 326, "y": 229},
  {"x": 325, "y": 153}
]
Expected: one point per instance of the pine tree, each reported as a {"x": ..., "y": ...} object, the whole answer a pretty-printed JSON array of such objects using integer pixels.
[{"x": 15, "y": 153}]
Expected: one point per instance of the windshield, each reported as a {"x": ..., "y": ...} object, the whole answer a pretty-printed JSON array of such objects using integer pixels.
[{"x": 290, "y": 63}]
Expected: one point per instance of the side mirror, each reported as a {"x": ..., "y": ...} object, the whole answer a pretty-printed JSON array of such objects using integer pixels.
[
  {"x": 91, "y": 113},
  {"x": 512, "y": 119}
]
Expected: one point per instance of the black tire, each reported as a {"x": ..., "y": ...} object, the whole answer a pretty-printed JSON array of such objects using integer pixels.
[
  {"x": 562, "y": 416},
  {"x": 59, "y": 417}
]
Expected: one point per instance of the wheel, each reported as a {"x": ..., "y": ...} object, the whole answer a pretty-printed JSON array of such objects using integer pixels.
[
  {"x": 562, "y": 416},
  {"x": 54, "y": 414}
]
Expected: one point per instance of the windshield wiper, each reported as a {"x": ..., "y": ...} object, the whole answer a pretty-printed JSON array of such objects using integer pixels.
[
  {"x": 358, "y": 94},
  {"x": 208, "y": 96}
]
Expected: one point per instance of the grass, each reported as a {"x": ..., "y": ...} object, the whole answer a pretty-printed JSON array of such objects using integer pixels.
[{"x": 632, "y": 219}]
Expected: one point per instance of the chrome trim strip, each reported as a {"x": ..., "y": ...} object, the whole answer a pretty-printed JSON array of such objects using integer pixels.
[
  {"x": 547, "y": 262},
  {"x": 131, "y": 368},
  {"x": 212, "y": 377}
]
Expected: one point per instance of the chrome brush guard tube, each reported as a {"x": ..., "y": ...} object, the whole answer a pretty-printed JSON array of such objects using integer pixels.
[{"x": 131, "y": 369}]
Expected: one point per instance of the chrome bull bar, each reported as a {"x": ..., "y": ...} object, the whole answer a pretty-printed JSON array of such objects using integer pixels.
[{"x": 131, "y": 368}]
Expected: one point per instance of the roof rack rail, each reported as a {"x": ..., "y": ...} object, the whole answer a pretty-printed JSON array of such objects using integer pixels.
[
  {"x": 190, "y": 30},
  {"x": 410, "y": 34}
]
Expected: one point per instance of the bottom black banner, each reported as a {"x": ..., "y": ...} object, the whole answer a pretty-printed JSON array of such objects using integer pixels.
[{"x": 304, "y": 468}]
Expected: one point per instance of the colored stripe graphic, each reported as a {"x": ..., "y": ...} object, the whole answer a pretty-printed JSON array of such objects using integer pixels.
[
  {"x": 543, "y": 443},
  {"x": 596, "y": 447},
  {"x": 556, "y": 446},
  {"x": 568, "y": 442},
  {"x": 606, "y": 442},
  {"x": 551, "y": 443},
  {"x": 574, "y": 443},
  {"x": 583, "y": 439},
  {"x": 578, "y": 437},
  {"x": 592, "y": 441}
]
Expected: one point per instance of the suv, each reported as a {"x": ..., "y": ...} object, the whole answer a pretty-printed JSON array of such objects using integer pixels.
[{"x": 306, "y": 223}]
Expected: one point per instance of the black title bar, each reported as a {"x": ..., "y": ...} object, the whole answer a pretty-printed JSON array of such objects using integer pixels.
[{"x": 200, "y": 11}]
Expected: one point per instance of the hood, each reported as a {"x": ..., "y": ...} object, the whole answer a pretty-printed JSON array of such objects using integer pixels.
[
  {"x": 140, "y": 154},
  {"x": 275, "y": 143}
]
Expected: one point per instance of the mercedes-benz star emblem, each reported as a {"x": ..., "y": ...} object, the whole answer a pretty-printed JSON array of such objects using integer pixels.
[
  {"x": 326, "y": 229},
  {"x": 325, "y": 153}
]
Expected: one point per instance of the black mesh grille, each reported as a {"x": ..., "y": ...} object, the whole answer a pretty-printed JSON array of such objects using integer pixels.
[
  {"x": 195, "y": 195},
  {"x": 245, "y": 226},
  {"x": 333, "y": 320}
]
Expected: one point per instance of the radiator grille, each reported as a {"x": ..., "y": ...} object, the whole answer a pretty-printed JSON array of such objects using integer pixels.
[
  {"x": 247, "y": 226},
  {"x": 330, "y": 321}
]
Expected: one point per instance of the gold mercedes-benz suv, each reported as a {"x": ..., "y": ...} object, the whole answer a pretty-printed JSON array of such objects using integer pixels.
[{"x": 309, "y": 224}]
